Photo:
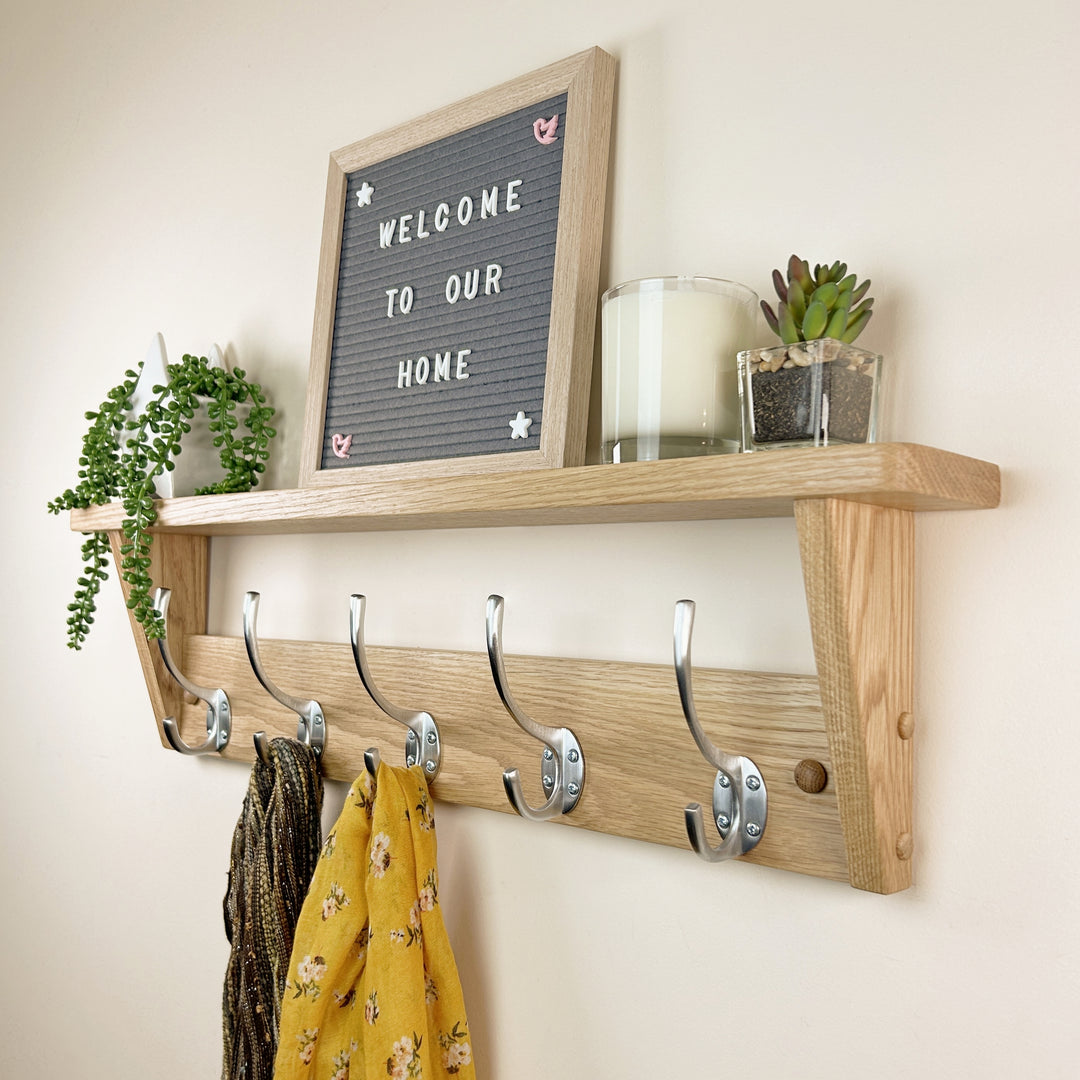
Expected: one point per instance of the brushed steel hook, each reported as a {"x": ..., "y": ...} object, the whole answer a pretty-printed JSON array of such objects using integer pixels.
[
  {"x": 563, "y": 765},
  {"x": 262, "y": 747},
  {"x": 740, "y": 803},
  {"x": 218, "y": 713},
  {"x": 422, "y": 744},
  {"x": 312, "y": 727}
]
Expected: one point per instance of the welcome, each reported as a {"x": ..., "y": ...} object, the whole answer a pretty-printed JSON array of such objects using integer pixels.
[{"x": 409, "y": 227}]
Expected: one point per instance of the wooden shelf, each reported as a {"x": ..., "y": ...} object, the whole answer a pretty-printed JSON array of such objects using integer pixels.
[
  {"x": 854, "y": 510},
  {"x": 898, "y": 475}
]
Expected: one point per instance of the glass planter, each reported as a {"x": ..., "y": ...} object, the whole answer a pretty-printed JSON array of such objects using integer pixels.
[{"x": 813, "y": 393}]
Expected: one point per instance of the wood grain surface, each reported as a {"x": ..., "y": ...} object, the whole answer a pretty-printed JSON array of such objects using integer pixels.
[
  {"x": 853, "y": 509},
  {"x": 859, "y": 572},
  {"x": 642, "y": 766},
  {"x": 901, "y": 475},
  {"x": 182, "y": 564}
]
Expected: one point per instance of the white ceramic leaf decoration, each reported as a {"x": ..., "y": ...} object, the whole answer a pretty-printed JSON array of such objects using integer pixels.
[{"x": 153, "y": 374}]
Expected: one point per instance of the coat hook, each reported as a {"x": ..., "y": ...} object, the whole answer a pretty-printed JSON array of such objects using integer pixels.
[
  {"x": 312, "y": 727},
  {"x": 740, "y": 802},
  {"x": 262, "y": 747},
  {"x": 422, "y": 745},
  {"x": 563, "y": 766},
  {"x": 218, "y": 714}
]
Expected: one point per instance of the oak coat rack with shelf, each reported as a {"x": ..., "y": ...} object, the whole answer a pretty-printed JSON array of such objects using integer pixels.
[{"x": 853, "y": 508}]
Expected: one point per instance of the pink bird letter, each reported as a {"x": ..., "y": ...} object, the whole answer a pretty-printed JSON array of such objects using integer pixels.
[{"x": 544, "y": 130}]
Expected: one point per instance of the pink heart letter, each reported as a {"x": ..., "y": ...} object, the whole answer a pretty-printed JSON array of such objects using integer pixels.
[
  {"x": 544, "y": 130},
  {"x": 341, "y": 444}
]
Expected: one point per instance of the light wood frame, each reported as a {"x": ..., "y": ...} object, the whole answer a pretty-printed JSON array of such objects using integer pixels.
[
  {"x": 588, "y": 79},
  {"x": 854, "y": 509}
]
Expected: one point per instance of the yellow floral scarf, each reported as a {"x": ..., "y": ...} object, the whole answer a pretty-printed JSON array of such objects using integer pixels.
[{"x": 373, "y": 989}]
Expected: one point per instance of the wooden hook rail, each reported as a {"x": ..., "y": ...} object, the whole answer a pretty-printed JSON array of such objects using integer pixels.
[{"x": 853, "y": 508}]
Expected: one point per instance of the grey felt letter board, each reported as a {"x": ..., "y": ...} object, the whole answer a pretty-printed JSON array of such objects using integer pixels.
[{"x": 458, "y": 285}]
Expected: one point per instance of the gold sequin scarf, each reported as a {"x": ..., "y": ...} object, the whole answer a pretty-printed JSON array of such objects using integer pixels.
[
  {"x": 275, "y": 849},
  {"x": 373, "y": 989}
]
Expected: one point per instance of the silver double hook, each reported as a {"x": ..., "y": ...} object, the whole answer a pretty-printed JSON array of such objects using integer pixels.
[
  {"x": 422, "y": 744},
  {"x": 218, "y": 712},
  {"x": 563, "y": 765},
  {"x": 740, "y": 804},
  {"x": 312, "y": 727}
]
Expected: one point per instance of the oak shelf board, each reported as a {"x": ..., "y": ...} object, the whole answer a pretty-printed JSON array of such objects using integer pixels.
[{"x": 903, "y": 476}]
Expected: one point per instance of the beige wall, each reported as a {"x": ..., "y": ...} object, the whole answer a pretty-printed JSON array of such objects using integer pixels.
[{"x": 163, "y": 168}]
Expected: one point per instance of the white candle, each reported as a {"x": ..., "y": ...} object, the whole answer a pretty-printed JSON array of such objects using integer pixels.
[{"x": 669, "y": 372}]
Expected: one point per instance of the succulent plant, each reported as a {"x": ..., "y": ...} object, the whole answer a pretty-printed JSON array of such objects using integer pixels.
[{"x": 825, "y": 304}]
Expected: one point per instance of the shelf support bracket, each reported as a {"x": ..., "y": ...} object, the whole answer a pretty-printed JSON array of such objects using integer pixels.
[
  {"x": 180, "y": 563},
  {"x": 858, "y": 567}
]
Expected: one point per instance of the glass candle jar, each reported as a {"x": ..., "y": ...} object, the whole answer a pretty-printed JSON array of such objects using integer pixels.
[{"x": 669, "y": 374}]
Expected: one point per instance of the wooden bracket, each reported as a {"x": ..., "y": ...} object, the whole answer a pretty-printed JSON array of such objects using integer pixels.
[
  {"x": 181, "y": 563},
  {"x": 859, "y": 571}
]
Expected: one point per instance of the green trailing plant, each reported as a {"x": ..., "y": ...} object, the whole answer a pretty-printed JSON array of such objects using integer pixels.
[
  {"x": 825, "y": 304},
  {"x": 123, "y": 457}
]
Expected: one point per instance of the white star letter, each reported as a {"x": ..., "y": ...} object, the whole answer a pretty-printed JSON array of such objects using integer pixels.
[
  {"x": 519, "y": 426},
  {"x": 363, "y": 196}
]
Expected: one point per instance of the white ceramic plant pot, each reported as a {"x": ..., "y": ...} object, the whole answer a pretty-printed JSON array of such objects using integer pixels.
[{"x": 199, "y": 462}]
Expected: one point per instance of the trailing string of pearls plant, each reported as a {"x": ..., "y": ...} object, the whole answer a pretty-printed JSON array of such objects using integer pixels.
[{"x": 123, "y": 457}]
